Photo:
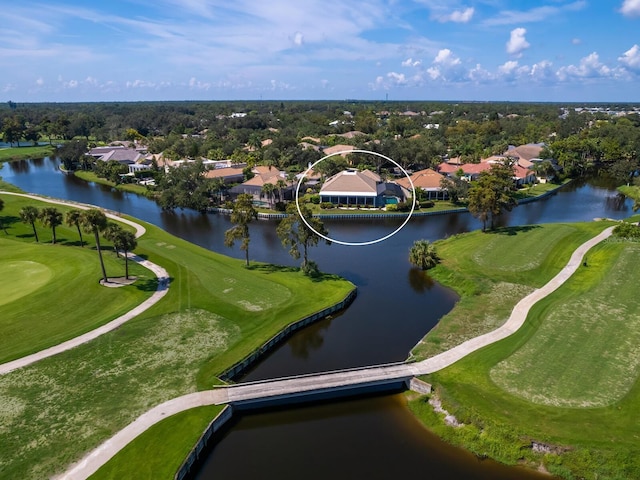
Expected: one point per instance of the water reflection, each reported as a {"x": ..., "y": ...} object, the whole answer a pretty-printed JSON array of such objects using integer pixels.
[
  {"x": 303, "y": 345},
  {"x": 373, "y": 439},
  {"x": 419, "y": 280}
]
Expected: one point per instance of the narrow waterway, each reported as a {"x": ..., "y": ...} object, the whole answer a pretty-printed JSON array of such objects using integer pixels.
[{"x": 395, "y": 307}]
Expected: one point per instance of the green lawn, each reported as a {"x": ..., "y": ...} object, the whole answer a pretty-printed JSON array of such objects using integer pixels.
[
  {"x": 492, "y": 271},
  {"x": 163, "y": 447},
  {"x": 51, "y": 293},
  {"x": 215, "y": 313},
  {"x": 125, "y": 187},
  {"x": 594, "y": 319},
  {"x": 23, "y": 153},
  {"x": 568, "y": 379}
]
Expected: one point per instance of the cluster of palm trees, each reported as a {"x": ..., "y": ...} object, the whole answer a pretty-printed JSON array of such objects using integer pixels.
[
  {"x": 270, "y": 190},
  {"x": 90, "y": 221}
]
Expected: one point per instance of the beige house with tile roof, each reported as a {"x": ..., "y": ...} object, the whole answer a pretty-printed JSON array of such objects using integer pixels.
[
  {"x": 354, "y": 187},
  {"x": 428, "y": 180}
]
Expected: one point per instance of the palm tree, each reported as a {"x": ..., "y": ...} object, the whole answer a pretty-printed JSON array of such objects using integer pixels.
[
  {"x": 29, "y": 215},
  {"x": 51, "y": 217},
  {"x": 125, "y": 241},
  {"x": 423, "y": 255},
  {"x": 111, "y": 232},
  {"x": 269, "y": 189},
  {"x": 281, "y": 184},
  {"x": 74, "y": 218},
  {"x": 94, "y": 221},
  {"x": 243, "y": 214},
  {"x": 2, "y": 224}
]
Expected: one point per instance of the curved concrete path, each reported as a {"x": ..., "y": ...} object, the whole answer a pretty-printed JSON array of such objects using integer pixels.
[
  {"x": 161, "y": 291},
  {"x": 91, "y": 462}
]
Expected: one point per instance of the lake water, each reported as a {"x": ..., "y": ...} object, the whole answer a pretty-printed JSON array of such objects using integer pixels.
[{"x": 395, "y": 307}]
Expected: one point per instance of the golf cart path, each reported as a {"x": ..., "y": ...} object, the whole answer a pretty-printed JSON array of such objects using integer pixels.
[
  {"x": 161, "y": 291},
  {"x": 93, "y": 460}
]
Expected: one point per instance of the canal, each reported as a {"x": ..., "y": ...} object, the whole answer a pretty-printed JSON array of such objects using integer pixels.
[{"x": 374, "y": 437}]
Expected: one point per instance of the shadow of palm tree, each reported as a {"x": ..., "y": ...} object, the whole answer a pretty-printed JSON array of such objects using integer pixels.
[
  {"x": 514, "y": 230},
  {"x": 270, "y": 268},
  {"x": 147, "y": 285}
]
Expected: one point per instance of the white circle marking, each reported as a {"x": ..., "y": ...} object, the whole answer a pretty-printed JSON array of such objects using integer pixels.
[{"x": 355, "y": 244}]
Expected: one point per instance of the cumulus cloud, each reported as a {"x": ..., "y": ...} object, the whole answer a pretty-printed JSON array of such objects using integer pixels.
[
  {"x": 457, "y": 16},
  {"x": 543, "y": 71},
  {"x": 446, "y": 66},
  {"x": 478, "y": 74},
  {"x": 517, "y": 43},
  {"x": 630, "y": 8},
  {"x": 410, "y": 62},
  {"x": 589, "y": 67},
  {"x": 447, "y": 58},
  {"x": 631, "y": 58}
]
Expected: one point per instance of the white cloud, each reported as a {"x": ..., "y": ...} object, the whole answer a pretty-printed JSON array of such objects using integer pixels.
[
  {"x": 447, "y": 58},
  {"x": 410, "y": 62},
  {"x": 457, "y": 16},
  {"x": 508, "y": 67},
  {"x": 434, "y": 73},
  {"x": 517, "y": 43},
  {"x": 630, "y": 8},
  {"x": 478, "y": 74},
  {"x": 140, "y": 84},
  {"x": 538, "y": 14},
  {"x": 40, "y": 81},
  {"x": 397, "y": 78},
  {"x": 576, "y": 41},
  {"x": 631, "y": 58},
  {"x": 589, "y": 67},
  {"x": 543, "y": 71}
]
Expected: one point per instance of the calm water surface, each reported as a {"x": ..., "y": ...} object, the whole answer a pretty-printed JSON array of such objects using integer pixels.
[{"x": 396, "y": 306}]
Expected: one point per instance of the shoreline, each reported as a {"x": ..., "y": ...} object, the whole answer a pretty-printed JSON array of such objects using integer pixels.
[{"x": 381, "y": 214}]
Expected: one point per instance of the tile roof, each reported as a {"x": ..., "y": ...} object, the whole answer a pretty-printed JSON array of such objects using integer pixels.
[
  {"x": 338, "y": 148},
  {"x": 226, "y": 172},
  {"x": 352, "y": 182},
  {"x": 427, "y": 179}
]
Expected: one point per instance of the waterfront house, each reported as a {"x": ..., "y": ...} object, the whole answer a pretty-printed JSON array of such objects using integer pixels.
[
  {"x": 263, "y": 175},
  {"x": 353, "y": 187},
  {"x": 427, "y": 180}
]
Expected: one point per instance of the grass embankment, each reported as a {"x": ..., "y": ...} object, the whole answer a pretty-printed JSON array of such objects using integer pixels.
[
  {"x": 125, "y": 187},
  {"x": 51, "y": 293},
  {"x": 568, "y": 379},
  {"x": 166, "y": 441},
  {"x": 24, "y": 153},
  {"x": 215, "y": 313},
  {"x": 537, "y": 189}
]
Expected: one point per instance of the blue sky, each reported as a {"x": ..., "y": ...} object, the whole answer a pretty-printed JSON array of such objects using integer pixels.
[{"x": 117, "y": 50}]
